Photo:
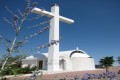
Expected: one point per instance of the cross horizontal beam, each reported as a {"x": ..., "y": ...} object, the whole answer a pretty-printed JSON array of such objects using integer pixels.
[{"x": 49, "y": 14}]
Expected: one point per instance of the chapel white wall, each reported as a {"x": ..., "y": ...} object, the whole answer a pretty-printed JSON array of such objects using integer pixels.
[
  {"x": 83, "y": 63},
  {"x": 31, "y": 62}
]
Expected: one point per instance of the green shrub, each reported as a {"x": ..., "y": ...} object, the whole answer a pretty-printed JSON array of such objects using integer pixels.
[
  {"x": 4, "y": 78},
  {"x": 25, "y": 70},
  {"x": 6, "y": 71},
  {"x": 34, "y": 68},
  {"x": 16, "y": 70}
]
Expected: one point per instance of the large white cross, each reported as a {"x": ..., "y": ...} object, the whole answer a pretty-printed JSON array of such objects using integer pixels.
[{"x": 53, "y": 51}]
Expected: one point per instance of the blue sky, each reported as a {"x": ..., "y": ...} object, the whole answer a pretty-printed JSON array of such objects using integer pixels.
[{"x": 96, "y": 29}]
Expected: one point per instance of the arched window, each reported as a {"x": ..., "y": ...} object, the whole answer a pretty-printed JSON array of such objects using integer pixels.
[{"x": 76, "y": 52}]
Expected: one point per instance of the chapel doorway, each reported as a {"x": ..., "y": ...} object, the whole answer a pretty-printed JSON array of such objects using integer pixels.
[
  {"x": 40, "y": 64},
  {"x": 62, "y": 64}
]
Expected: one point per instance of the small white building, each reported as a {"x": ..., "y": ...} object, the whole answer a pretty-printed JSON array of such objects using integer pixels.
[{"x": 68, "y": 60}]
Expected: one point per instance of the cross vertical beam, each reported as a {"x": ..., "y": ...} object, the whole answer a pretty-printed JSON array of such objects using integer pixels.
[{"x": 53, "y": 51}]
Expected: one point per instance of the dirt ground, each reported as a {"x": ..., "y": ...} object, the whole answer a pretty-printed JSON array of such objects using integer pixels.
[{"x": 71, "y": 75}]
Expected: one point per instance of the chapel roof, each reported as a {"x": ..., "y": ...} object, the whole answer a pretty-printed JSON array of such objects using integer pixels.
[
  {"x": 36, "y": 56},
  {"x": 71, "y": 53},
  {"x": 63, "y": 54}
]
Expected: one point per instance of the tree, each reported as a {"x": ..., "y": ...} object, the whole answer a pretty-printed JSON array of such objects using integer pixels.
[
  {"x": 106, "y": 62},
  {"x": 17, "y": 23}
]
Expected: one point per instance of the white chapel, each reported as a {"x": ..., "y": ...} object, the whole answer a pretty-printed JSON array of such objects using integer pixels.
[
  {"x": 56, "y": 60},
  {"x": 72, "y": 60}
]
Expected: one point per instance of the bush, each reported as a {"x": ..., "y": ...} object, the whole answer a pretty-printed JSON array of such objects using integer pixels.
[
  {"x": 0, "y": 65},
  {"x": 6, "y": 71},
  {"x": 25, "y": 70},
  {"x": 34, "y": 68},
  {"x": 15, "y": 71},
  {"x": 4, "y": 78}
]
